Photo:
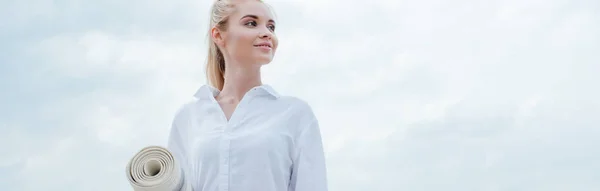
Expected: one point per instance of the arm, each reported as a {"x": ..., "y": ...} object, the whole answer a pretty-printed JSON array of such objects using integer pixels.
[
  {"x": 176, "y": 147},
  {"x": 309, "y": 171}
]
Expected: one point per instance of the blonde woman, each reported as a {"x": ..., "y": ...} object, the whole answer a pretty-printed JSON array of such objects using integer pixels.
[{"x": 239, "y": 134}]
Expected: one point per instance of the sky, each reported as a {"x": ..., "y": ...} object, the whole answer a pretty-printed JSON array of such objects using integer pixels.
[{"x": 411, "y": 95}]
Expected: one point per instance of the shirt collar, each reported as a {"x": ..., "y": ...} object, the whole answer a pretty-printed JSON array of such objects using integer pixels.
[{"x": 207, "y": 91}]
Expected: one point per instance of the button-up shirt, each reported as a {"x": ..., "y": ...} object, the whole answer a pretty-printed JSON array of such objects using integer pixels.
[{"x": 270, "y": 143}]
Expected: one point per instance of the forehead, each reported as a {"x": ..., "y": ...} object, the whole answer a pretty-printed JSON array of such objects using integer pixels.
[{"x": 253, "y": 7}]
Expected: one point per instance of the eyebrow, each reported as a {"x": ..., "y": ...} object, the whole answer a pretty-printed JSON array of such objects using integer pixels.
[{"x": 256, "y": 17}]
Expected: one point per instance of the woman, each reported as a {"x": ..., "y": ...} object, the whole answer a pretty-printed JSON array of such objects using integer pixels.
[{"x": 239, "y": 134}]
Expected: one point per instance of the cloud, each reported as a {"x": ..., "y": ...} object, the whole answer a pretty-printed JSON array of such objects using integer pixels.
[
  {"x": 99, "y": 97},
  {"x": 495, "y": 150},
  {"x": 411, "y": 95}
]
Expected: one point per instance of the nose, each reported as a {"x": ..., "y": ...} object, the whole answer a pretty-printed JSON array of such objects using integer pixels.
[{"x": 266, "y": 33}]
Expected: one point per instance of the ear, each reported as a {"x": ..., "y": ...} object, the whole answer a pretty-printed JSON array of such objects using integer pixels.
[{"x": 217, "y": 36}]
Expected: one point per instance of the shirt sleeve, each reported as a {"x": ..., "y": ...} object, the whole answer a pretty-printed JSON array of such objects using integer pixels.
[
  {"x": 309, "y": 170},
  {"x": 176, "y": 147}
]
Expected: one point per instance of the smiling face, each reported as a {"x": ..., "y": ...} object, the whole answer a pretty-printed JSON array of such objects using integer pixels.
[{"x": 249, "y": 37}]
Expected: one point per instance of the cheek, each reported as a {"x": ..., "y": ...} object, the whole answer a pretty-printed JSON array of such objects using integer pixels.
[
  {"x": 241, "y": 41},
  {"x": 275, "y": 42}
]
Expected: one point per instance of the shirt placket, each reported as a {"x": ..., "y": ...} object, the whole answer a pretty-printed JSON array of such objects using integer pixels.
[
  {"x": 224, "y": 159},
  {"x": 225, "y": 144},
  {"x": 225, "y": 149}
]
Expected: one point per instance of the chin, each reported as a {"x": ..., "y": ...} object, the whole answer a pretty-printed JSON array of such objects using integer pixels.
[{"x": 264, "y": 60}]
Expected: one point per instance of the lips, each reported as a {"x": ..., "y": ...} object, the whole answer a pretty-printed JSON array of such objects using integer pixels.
[{"x": 264, "y": 44}]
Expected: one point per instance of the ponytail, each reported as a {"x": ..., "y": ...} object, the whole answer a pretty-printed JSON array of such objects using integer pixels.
[
  {"x": 215, "y": 63},
  {"x": 215, "y": 66}
]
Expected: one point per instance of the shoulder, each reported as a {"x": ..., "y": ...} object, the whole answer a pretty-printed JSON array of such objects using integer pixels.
[
  {"x": 298, "y": 106},
  {"x": 184, "y": 111},
  {"x": 303, "y": 122},
  {"x": 299, "y": 115}
]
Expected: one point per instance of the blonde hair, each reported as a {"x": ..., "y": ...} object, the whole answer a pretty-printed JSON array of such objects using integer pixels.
[{"x": 215, "y": 64}]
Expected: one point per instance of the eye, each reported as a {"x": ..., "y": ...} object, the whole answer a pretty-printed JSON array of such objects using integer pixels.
[
  {"x": 251, "y": 23},
  {"x": 272, "y": 27}
]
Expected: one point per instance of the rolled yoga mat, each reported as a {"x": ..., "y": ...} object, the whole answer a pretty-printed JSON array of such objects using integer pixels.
[{"x": 154, "y": 169}]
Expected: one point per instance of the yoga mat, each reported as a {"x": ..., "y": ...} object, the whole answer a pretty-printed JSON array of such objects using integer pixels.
[{"x": 154, "y": 169}]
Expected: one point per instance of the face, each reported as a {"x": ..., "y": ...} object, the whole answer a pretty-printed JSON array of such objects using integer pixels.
[{"x": 250, "y": 35}]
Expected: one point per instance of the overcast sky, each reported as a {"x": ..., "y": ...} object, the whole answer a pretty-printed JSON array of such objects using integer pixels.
[{"x": 420, "y": 95}]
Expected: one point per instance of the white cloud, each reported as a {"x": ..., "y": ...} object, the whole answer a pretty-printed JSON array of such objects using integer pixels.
[{"x": 411, "y": 95}]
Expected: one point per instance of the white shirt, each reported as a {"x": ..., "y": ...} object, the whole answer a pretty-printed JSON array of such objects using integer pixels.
[{"x": 270, "y": 143}]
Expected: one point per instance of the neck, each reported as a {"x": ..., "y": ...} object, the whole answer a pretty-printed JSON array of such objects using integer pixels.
[{"x": 238, "y": 81}]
